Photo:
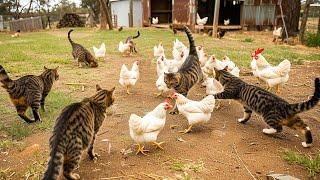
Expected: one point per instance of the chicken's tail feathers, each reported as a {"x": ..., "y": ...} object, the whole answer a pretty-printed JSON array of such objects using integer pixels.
[
  {"x": 134, "y": 122},
  {"x": 304, "y": 106},
  {"x": 284, "y": 67}
]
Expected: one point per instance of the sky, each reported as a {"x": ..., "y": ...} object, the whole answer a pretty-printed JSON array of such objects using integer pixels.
[{"x": 53, "y": 2}]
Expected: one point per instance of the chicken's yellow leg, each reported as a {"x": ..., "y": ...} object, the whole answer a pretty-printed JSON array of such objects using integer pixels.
[
  {"x": 278, "y": 89},
  {"x": 128, "y": 92},
  {"x": 159, "y": 94},
  {"x": 186, "y": 130},
  {"x": 141, "y": 150},
  {"x": 158, "y": 145}
]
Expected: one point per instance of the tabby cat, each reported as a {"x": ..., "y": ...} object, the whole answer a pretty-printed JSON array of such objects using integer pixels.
[
  {"x": 189, "y": 73},
  {"x": 75, "y": 131},
  {"x": 29, "y": 91},
  {"x": 81, "y": 54},
  {"x": 275, "y": 111},
  {"x": 132, "y": 44}
]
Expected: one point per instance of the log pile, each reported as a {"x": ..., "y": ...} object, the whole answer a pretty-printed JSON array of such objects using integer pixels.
[{"x": 70, "y": 20}]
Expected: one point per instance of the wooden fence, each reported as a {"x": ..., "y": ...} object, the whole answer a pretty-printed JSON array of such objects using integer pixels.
[{"x": 26, "y": 24}]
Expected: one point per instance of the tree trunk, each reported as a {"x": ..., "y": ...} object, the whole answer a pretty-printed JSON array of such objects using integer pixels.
[
  {"x": 319, "y": 24},
  {"x": 103, "y": 17},
  {"x": 304, "y": 20},
  {"x": 130, "y": 13},
  {"x": 31, "y": 1},
  {"x": 105, "y": 11},
  {"x": 291, "y": 12}
]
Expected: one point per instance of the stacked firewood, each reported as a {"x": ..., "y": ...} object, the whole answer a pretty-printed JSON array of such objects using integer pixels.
[{"x": 70, "y": 20}]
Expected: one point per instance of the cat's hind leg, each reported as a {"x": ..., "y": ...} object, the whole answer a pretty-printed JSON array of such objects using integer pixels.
[
  {"x": 297, "y": 123},
  {"x": 246, "y": 115}
]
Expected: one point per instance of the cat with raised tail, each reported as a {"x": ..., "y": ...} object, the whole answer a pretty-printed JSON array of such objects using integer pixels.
[{"x": 189, "y": 73}]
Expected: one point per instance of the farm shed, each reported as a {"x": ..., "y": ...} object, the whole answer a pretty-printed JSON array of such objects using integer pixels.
[
  {"x": 120, "y": 10},
  {"x": 240, "y": 12}
]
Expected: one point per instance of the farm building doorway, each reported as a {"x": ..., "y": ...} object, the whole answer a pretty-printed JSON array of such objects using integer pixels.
[
  {"x": 229, "y": 9},
  {"x": 163, "y": 10}
]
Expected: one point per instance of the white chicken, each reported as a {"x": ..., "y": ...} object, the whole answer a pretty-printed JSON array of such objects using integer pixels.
[
  {"x": 195, "y": 111},
  {"x": 124, "y": 47},
  {"x": 276, "y": 33},
  {"x": 226, "y": 22},
  {"x": 227, "y": 62},
  {"x": 273, "y": 76},
  {"x": 213, "y": 86},
  {"x": 235, "y": 71},
  {"x": 158, "y": 50},
  {"x": 230, "y": 66},
  {"x": 155, "y": 20},
  {"x": 129, "y": 78},
  {"x": 178, "y": 45},
  {"x": 161, "y": 85},
  {"x": 161, "y": 67},
  {"x": 146, "y": 129},
  {"x": 100, "y": 52},
  {"x": 201, "y": 21},
  {"x": 203, "y": 59},
  {"x": 172, "y": 65},
  {"x": 212, "y": 63}
]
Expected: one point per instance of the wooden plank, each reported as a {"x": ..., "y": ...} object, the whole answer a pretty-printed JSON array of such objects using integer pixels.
[{"x": 216, "y": 18}]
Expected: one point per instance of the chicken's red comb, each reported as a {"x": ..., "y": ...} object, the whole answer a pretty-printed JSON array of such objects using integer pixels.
[{"x": 258, "y": 51}]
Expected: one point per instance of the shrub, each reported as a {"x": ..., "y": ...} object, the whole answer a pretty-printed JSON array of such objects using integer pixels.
[{"x": 312, "y": 39}]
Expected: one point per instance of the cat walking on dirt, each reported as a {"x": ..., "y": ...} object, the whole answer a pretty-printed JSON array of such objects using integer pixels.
[
  {"x": 189, "y": 73},
  {"x": 29, "y": 91},
  {"x": 75, "y": 131},
  {"x": 275, "y": 111},
  {"x": 81, "y": 54},
  {"x": 132, "y": 44}
]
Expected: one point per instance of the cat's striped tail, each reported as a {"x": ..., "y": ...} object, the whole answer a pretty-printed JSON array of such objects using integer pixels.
[
  {"x": 304, "y": 106},
  {"x": 54, "y": 165},
  {"x": 4, "y": 78},
  {"x": 192, "y": 48},
  {"x": 69, "y": 38}
]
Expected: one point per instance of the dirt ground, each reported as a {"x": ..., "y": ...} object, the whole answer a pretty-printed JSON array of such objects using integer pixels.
[{"x": 220, "y": 149}]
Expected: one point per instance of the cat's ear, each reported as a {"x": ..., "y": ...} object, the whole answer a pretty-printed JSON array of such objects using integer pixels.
[
  {"x": 45, "y": 68},
  {"x": 57, "y": 68},
  {"x": 112, "y": 90},
  {"x": 98, "y": 88},
  {"x": 225, "y": 68}
]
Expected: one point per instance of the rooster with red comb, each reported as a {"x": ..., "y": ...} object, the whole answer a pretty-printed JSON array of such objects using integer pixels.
[{"x": 273, "y": 76}]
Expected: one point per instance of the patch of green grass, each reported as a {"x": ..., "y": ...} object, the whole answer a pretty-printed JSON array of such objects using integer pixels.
[
  {"x": 55, "y": 102},
  {"x": 187, "y": 166},
  {"x": 36, "y": 169},
  {"x": 19, "y": 130},
  {"x": 312, "y": 164},
  {"x": 248, "y": 40},
  {"x": 5, "y": 144}
]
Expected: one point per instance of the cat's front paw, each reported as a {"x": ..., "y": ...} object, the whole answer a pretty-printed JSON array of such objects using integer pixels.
[
  {"x": 304, "y": 144},
  {"x": 93, "y": 156}
]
